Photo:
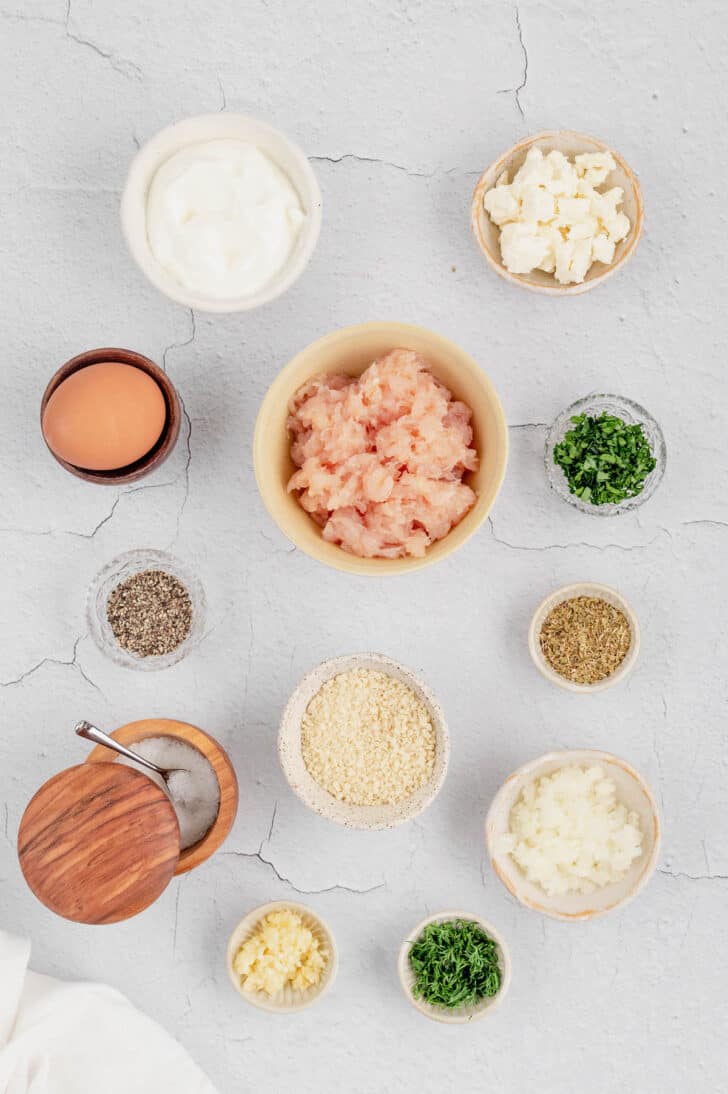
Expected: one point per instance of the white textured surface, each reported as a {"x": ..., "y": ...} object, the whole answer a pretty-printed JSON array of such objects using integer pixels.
[{"x": 401, "y": 105}]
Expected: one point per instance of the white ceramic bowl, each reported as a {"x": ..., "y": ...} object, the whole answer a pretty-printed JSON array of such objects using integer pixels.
[
  {"x": 207, "y": 127},
  {"x": 461, "y": 1015},
  {"x": 569, "y": 592},
  {"x": 632, "y": 790},
  {"x": 288, "y": 1001},
  {"x": 487, "y": 234},
  {"x": 368, "y": 817}
]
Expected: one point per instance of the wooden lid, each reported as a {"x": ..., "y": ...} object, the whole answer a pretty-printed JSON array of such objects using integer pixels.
[{"x": 98, "y": 843}]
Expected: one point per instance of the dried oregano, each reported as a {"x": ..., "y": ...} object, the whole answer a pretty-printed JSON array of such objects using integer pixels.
[{"x": 585, "y": 639}]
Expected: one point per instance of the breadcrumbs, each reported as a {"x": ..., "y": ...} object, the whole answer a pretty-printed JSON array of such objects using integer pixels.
[{"x": 368, "y": 739}]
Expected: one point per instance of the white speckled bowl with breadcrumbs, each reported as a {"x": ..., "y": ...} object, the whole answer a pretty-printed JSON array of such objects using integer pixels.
[{"x": 369, "y": 817}]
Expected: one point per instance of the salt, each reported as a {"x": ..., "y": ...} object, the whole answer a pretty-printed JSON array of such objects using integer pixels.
[{"x": 193, "y": 789}]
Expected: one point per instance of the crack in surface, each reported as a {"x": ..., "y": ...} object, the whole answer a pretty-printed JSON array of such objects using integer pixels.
[
  {"x": 579, "y": 543},
  {"x": 715, "y": 523},
  {"x": 176, "y": 916},
  {"x": 223, "y": 96},
  {"x": 188, "y": 422},
  {"x": 516, "y": 91},
  {"x": 286, "y": 880},
  {"x": 73, "y": 663},
  {"x": 21, "y": 17},
  {"x": 529, "y": 425},
  {"x": 691, "y": 877},
  {"x": 373, "y": 159},
  {"x": 101, "y": 523},
  {"x": 119, "y": 64}
]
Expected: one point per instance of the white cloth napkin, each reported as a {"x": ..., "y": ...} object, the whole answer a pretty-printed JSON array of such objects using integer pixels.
[{"x": 64, "y": 1038}]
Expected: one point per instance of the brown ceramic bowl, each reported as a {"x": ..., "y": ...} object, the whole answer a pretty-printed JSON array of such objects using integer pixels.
[
  {"x": 158, "y": 454},
  {"x": 216, "y": 755}
]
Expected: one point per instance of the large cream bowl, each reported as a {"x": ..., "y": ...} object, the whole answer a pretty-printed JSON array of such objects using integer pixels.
[{"x": 351, "y": 350}]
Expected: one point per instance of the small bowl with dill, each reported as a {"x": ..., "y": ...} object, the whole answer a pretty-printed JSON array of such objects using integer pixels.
[
  {"x": 146, "y": 610},
  {"x": 605, "y": 455},
  {"x": 584, "y": 637},
  {"x": 454, "y": 967}
]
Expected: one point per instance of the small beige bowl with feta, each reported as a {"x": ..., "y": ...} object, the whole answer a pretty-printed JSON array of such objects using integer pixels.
[
  {"x": 282, "y": 957},
  {"x": 558, "y": 213},
  {"x": 570, "y": 817}
]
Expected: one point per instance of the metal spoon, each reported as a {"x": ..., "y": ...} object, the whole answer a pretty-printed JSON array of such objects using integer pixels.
[{"x": 91, "y": 733}]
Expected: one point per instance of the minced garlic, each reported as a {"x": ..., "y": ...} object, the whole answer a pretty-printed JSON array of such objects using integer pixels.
[
  {"x": 368, "y": 739},
  {"x": 282, "y": 951}
]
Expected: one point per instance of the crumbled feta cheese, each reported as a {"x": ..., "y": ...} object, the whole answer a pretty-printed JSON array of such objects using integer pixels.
[{"x": 552, "y": 217}]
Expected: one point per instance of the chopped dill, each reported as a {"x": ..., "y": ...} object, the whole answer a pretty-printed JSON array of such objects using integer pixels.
[{"x": 455, "y": 964}]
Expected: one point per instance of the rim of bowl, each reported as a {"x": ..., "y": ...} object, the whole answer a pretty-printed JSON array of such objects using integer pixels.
[
  {"x": 311, "y": 995},
  {"x": 569, "y": 592},
  {"x": 495, "y": 169},
  {"x": 530, "y": 771},
  {"x": 361, "y": 817},
  {"x": 634, "y": 413},
  {"x": 338, "y": 558},
  {"x": 165, "y": 443},
  {"x": 196, "y": 130},
  {"x": 111, "y": 575},
  {"x": 485, "y": 1006},
  {"x": 133, "y": 732}
]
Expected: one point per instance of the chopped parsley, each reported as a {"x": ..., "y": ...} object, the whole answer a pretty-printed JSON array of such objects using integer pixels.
[
  {"x": 604, "y": 459},
  {"x": 455, "y": 964}
]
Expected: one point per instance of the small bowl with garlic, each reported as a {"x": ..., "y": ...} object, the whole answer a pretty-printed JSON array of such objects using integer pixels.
[
  {"x": 282, "y": 957},
  {"x": 558, "y": 213},
  {"x": 574, "y": 834}
]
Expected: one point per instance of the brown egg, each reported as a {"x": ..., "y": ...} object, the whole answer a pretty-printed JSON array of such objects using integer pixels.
[{"x": 104, "y": 417}]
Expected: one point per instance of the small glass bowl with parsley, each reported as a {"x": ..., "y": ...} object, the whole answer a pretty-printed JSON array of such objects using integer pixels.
[
  {"x": 605, "y": 455},
  {"x": 454, "y": 967}
]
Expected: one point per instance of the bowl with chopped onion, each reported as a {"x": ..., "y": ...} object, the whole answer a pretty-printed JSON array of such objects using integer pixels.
[
  {"x": 584, "y": 637},
  {"x": 454, "y": 967},
  {"x": 364, "y": 742},
  {"x": 558, "y": 213},
  {"x": 282, "y": 957},
  {"x": 574, "y": 834}
]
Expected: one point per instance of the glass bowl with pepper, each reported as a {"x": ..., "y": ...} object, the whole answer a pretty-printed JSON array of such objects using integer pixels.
[
  {"x": 454, "y": 967},
  {"x": 605, "y": 455},
  {"x": 146, "y": 610}
]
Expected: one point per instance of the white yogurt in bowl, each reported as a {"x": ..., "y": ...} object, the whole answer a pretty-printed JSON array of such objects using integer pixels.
[
  {"x": 222, "y": 218},
  {"x": 221, "y": 212}
]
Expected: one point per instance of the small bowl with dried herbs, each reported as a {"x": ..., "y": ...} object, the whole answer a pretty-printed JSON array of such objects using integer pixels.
[
  {"x": 584, "y": 637},
  {"x": 605, "y": 455},
  {"x": 454, "y": 967}
]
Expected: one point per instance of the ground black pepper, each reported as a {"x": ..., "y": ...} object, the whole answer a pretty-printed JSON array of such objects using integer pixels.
[{"x": 150, "y": 613}]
